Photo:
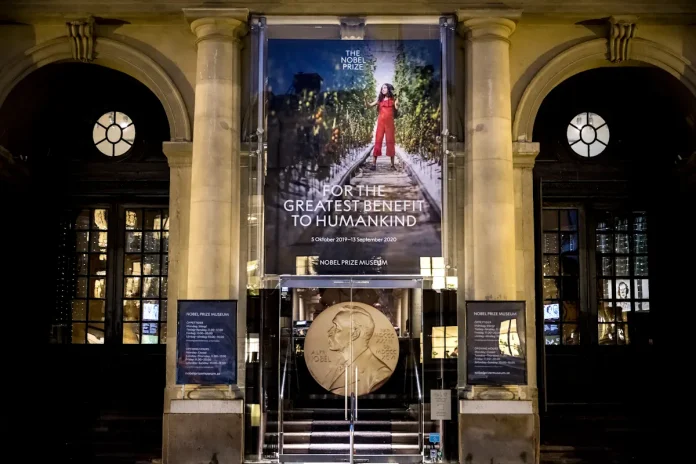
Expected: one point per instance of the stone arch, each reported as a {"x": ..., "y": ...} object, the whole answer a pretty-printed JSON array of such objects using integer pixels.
[
  {"x": 112, "y": 54},
  {"x": 589, "y": 55}
]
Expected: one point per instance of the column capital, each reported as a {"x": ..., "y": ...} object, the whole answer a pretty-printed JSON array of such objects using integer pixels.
[
  {"x": 227, "y": 24},
  {"x": 179, "y": 154},
  {"x": 488, "y": 24},
  {"x": 524, "y": 154}
]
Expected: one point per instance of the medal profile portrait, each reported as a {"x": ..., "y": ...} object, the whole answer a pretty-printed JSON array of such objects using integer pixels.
[{"x": 351, "y": 335}]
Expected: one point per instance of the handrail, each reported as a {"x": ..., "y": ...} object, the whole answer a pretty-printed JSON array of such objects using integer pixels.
[{"x": 282, "y": 382}]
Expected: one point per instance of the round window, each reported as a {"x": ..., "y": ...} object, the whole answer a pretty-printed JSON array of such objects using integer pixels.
[
  {"x": 114, "y": 134},
  {"x": 588, "y": 134}
]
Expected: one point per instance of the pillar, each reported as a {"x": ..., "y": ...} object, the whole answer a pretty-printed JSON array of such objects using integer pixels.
[
  {"x": 207, "y": 424},
  {"x": 496, "y": 424}
]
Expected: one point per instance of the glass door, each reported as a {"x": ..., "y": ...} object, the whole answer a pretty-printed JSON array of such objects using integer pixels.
[{"x": 350, "y": 380}]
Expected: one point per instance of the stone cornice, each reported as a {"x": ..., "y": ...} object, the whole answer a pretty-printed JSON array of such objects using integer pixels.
[
  {"x": 524, "y": 154},
  {"x": 179, "y": 154}
]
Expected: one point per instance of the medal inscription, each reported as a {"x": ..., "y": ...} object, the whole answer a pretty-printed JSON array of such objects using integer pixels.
[{"x": 347, "y": 336}]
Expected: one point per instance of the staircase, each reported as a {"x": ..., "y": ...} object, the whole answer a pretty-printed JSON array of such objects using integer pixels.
[{"x": 313, "y": 435}]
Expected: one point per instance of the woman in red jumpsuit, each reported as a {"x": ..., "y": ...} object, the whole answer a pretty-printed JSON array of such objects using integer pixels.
[{"x": 387, "y": 104}]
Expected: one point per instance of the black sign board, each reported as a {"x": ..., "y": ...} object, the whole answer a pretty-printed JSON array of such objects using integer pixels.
[
  {"x": 496, "y": 343},
  {"x": 206, "y": 342}
]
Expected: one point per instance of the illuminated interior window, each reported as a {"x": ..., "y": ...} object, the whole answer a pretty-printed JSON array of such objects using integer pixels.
[
  {"x": 114, "y": 134},
  {"x": 588, "y": 134},
  {"x": 445, "y": 342},
  {"x": 252, "y": 348},
  {"x": 623, "y": 285},
  {"x": 145, "y": 269}
]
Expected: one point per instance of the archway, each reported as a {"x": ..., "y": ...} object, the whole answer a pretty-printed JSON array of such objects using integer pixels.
[
  {"x": 111, "y": 54},
  {"x": 590, "y": 55}
]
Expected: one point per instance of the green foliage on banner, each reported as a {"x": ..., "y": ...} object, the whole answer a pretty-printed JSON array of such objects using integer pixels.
[{"x": 418, "y": 91}]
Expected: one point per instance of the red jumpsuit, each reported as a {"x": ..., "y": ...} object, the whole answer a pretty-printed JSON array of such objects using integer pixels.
[{"x": 385, "y": 127}]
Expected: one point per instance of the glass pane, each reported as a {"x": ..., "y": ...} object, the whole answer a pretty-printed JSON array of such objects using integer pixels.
[
  {"x": 551, "y": 329},
  {"x": 132, "y": 264},
  {"x": 571, "y": 334},
  {"x": 569, "y": 288},
  {"x": 623, "y": 289},
  {"x": 123, "y": 120},
  {"x": 164, "y": 309},
  {"x": 606, "y": 312},
  {"x": 164, "y": 287},
  {"x": 151, "y": 310},
  {"x": 82, "y": 264},
  {"x": 129, "y": 134},
  {"x": 106, "y": 147},
  {"x": 550, "y": 265},
  {"x": 643, "y": 306},
  {"x": 131, "y": 333},
  {"x": 121, "y": 147},
  {"x": 621, "y": 243},
  {"x": 95, "y": 333},
  {"x": 550, "y": 219},
  {"x": 97, "y": 264},
  {"x": 152, "y": 241},
  {"x": 642, "y": 289},
  {"x": 165, "y": 242},
  {"x": 606, "y": 334},
  {"x": 79, "y": 310},
  {"x": 163, "y": 333},
  {"x": 131, "y": 310},
  {"x": 150, "y": 333},
  {"x": 569, "y": 219},
  {"x": 622, "y": 334},
  {"x": 571, "y": 266},
  {"x": 622, "y": 266},
  {"x": 165, "y": 264},
  {"x": 620, "y": 223},
  {"x": 97, "y": 288},
  {"x": 604, "y": 243},
  {"x": 573, "y": 134},
  {"x": 551, "y": 312},
  {"x": 550, "y": 289},
  {"x": 97, "y": 310},
  {"x": 569, "y": 242},
  {"x": 134, "y": 219},
  {"x": 605, "y": 289},
  {"x": 552, "y": 339},
  {"x": 153, "y": 219},
  {"x": 82, "y": 221},
  {"x": 107, "y": 119},
  {"x": 604, "y": 222},
  {"x": 152, "y": 265},
  {"x": 101, "y": 219},
  {"x": 640, "y": 223},
  {"x": 640, "y": 265},
  {"x": 641, "y": 243},
  {"x": 151, "y": 287},
  {"x": 81, "y": 287},
  {"x": 78, "y": 333},
  {"x": 607, "y": 266},
  {"x": 133, "y": 241},
  {"x": 82, "y": 241},
  {"x": 99, "y": 241},
  {"x": 623, "y": 310},
  {"x": 165, "y": 220},
  {"x": 570, "y": 311},
  {"x": 550, "y": 243},
  {"x": 132, "y": 287}
]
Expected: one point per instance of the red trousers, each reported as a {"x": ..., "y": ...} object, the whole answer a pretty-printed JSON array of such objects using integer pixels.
[{"x": 385, "y": 128}]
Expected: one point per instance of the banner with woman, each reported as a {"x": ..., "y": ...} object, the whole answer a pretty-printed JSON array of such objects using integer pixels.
[{"x": 354, "y": 170}]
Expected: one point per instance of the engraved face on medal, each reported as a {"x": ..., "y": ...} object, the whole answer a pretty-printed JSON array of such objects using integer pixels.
[{"x": 347, "y": 336}]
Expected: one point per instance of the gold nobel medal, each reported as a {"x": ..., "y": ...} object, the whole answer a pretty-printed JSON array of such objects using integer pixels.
[{"x": 347, "y": 336}]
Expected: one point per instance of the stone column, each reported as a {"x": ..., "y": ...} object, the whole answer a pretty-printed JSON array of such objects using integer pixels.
[
  {"x": 489, "y": 204},
  {"x": 502, "y": 415},
  {"x": 215, "y": 183},
  {"x": 207, "y": 424}
]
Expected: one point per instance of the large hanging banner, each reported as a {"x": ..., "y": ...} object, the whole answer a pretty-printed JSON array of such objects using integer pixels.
[{"x": 354, "y": 171}]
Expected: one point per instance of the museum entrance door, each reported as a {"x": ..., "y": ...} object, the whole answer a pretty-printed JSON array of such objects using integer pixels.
[{"x": 350, "y": 370}]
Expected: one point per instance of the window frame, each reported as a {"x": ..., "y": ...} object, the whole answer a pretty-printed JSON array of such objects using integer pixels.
[{"x": 115, "y": 251}]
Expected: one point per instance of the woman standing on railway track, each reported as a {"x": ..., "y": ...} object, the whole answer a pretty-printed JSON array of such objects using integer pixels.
[{"x": 387, "y": 110}]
